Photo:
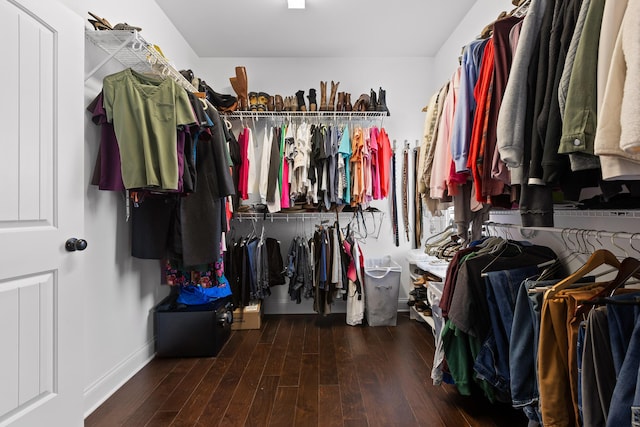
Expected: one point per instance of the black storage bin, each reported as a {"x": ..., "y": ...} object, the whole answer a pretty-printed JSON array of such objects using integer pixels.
[{"x": 192, "y": 331}]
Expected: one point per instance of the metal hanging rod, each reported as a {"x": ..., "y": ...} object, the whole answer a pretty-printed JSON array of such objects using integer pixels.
[
  {"x": 254, "y": 216},
  {"x": 356, "y": 115},
  {"x": 529, "y": 232},
  {"x": 585, "y": 213}
]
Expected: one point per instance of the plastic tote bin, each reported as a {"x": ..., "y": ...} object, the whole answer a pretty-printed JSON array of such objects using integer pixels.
[{"x": 381, "y": 287}]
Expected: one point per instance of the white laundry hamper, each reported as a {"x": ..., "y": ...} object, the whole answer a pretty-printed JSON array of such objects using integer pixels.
[{"x": 381, "y": 288}]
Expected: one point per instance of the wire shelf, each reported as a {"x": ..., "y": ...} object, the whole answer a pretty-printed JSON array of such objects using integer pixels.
[
  {"x": 294, "y": 216},
  {"x": 583, "y": 213},
  {"x": 132, "y": 51},
  {"x": 357, "y": 115}
]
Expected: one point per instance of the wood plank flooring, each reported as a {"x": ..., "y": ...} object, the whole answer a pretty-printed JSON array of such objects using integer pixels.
[{"x": 303, "y": 370}]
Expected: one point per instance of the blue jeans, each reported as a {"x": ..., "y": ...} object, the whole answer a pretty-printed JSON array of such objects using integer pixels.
[
  {"x": 635, "y": 409},
  {"x": 624, "y": 391},
  {"x": 523, "y": 349},
  {"x": 622, "y": 319},
  {"x": 501, "y": 291}
]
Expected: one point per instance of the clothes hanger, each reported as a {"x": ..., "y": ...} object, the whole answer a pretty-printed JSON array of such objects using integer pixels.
[
  {"x": 629, "y": 267},
  {"x": 597, "y": 259},
  {"x": 521, "y": 10},
  {"x": 501, "y": 249}
]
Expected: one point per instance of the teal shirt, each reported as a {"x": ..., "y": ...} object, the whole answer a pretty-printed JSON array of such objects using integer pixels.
[{"x": 345, "y": 150}]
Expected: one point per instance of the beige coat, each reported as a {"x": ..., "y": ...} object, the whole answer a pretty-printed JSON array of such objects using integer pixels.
[{"x": 623, "y": 81}]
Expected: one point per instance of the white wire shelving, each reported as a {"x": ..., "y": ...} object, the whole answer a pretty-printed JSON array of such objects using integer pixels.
[{"x": 132, "y": 51}]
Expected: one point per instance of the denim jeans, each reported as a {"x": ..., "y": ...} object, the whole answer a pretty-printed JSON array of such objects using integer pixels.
[
  {"x": 635, "y": 409},
  {"x": 622, "y": 319},
  {"x": 624, "y": 392},
  {"x": 523, "y": 349},
  {"x": 501, "y": 291}
]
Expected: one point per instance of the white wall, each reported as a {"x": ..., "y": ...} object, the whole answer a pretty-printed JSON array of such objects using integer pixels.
[
  {"x": 481, "y": 13},
  {"x": 407, "y": 82},
  {"x": 119, "y": 291}
]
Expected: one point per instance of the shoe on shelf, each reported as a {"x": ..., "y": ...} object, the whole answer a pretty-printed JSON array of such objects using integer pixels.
[
  {"x": 99, "y": 23},
  {"x": 313, "y": 105},
  {"x": 125, "y": 26},
  {"x": 373, "y": 101},
  {"x": 362, "y": 104},
  {"x": 253, "y": 101},
  {"x": 420, "y": 281},
  {"x": 332, "y": 96},
  {"x": 279, "y": 103},
  {"x": 263, "y": 101},
  {"x": 300, "y": 99},
  {"x": 382, "y": 102},
  {"x": 323, "y": 96}
]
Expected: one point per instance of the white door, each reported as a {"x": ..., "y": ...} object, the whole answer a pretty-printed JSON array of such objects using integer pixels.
[{"x": 41, "y": 206}]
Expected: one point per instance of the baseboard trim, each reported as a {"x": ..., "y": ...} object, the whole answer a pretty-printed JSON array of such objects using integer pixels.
[{"x": 95, "y": 394}]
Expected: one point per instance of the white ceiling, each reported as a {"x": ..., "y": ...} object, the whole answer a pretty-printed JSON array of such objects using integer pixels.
[{"x": 326, "y": 28}]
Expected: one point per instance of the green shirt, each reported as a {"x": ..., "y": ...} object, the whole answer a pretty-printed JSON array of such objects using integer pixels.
[{"x": 146, "y": 113}]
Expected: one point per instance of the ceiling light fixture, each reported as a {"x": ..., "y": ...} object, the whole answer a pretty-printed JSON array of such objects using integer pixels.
[{"x": 296, "y": 4}]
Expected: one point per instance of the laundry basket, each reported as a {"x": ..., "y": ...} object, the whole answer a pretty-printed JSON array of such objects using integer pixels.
[{"x": 381, "y": 287}]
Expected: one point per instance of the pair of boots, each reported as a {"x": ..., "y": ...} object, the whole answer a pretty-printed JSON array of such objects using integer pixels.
[
  {"x": 240, "y": 85},
  {"x": 331, "y": 105},
  {"x": 344, "y": 102},
  {"x": 297, "y": 103},
  {"x": 378, "y": 102},
  {"x": 261, "y": 101}
]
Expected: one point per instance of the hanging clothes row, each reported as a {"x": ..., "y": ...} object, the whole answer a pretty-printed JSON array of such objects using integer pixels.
[
  {"x": 314, "y": 165},
  {"x": 469, "y": 341},
  {"x": 327, "y": 267},
  {"x": 518, "y": 328},
  {"x": 541, "y": 106},
  {"x": 253, "y": 265},
  {"x": 161, "y": 143}
]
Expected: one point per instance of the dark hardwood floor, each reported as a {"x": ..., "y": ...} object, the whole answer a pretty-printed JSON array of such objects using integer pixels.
[{"x": 303, "y": 370}]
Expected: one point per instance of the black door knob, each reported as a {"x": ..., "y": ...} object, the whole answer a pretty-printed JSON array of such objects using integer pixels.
[{"x": 74, "y": 244}]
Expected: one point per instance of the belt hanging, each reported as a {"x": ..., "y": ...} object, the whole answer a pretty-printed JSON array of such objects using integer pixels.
[
  {"x": 405, "y": 182},
  {"x": 417, "y": 200},
  {"x": 394, "y": 203}
]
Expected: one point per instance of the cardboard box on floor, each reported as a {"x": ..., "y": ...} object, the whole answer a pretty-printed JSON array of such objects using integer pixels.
[{"x": 249, "y": 317}]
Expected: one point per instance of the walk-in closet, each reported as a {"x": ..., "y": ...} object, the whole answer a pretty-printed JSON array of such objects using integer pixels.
[{"x": 320, "y": 213}]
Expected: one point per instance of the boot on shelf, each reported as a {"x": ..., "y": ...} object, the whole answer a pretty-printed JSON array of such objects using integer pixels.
[
  {"x": 300, "y": 99},
  {"x": 362, "y": 104},
  {"x": 242, "y": 102},
  {"x": 313, "y": 106},
  {"x": 373, "y": 101},
  {"x": 382, "y": 101},
  {"x": 271, "y": 103},
  {"x": 279, "y": 103},
  {"x": 332, "y": 98},
  {"x": 263, "y": 101},
  {"x": 242, "y": 87},
  {"x": 347, "y": 102},
  {"x": 323, "y": 96},
  {"x": 340, "y": 104},
  {"x": 293, "y": 102},
  {"x": 253, "y": 101}
]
